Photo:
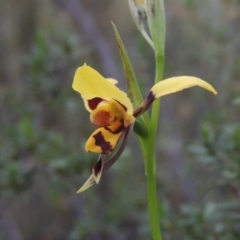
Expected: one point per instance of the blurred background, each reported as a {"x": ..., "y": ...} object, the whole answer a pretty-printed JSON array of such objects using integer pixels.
[{"x": 44, "y": 125}]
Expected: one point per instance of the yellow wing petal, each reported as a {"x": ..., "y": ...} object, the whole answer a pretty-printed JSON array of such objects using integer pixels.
[
  {"x": 175, "y": 84},
  {"x": 90, "y": 84}
]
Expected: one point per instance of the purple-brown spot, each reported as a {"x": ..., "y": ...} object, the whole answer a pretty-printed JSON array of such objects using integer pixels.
[
  {"x": 97, "y": 167},
  {"x": 151, "y": 96},
  {"x": 93, "y": 103},
  {"x": 118, "y": 129},
  {"x": 102, "y": 143},
  {"x": 125, "y": 109},
  {"x": 145, "y": 104}
]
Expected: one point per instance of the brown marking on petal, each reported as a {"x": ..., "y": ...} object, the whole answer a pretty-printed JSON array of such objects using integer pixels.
[
  {"x": 118, "y": 129},
  {"x": 97, "y": 168},
  {"x": 151, "y": 96},
  {"x": 102, "y": 143},
  {"x": 93, "y": 103},
  {"x": 144, "y": 105},
  {"x": 125, "y": 109}
]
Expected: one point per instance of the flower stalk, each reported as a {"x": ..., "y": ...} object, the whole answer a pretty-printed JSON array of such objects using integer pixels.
[
  {"x": 115, "y": 113},
  {"x": 150, "y": 166},
  {"x": 156, "y": 23}
]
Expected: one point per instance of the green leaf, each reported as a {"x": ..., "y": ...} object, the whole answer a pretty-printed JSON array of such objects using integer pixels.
[{"x": 134, "y": 92}]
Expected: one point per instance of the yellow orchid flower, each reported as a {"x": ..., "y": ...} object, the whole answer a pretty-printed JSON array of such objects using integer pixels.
[{"x": 112, "y": 111}]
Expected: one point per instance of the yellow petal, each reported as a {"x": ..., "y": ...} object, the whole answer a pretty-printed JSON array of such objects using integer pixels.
[
  {"x": 90, "y": 84},
  {"x": 175, "y": 84},
  {"x": 103, "y": 140},
  {"x": 128, "y": 119}
]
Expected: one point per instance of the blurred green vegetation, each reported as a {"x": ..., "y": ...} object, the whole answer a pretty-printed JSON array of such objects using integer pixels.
[{"x": 44, "y": 125}]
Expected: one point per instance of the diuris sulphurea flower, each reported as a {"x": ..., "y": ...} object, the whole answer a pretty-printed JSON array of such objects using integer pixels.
[{"x": 112, "y": 112}]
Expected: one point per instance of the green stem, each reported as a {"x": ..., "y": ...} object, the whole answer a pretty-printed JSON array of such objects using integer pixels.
[
  {"x": 150, "y": 158},
  {"x": 152, "y": 200}
]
